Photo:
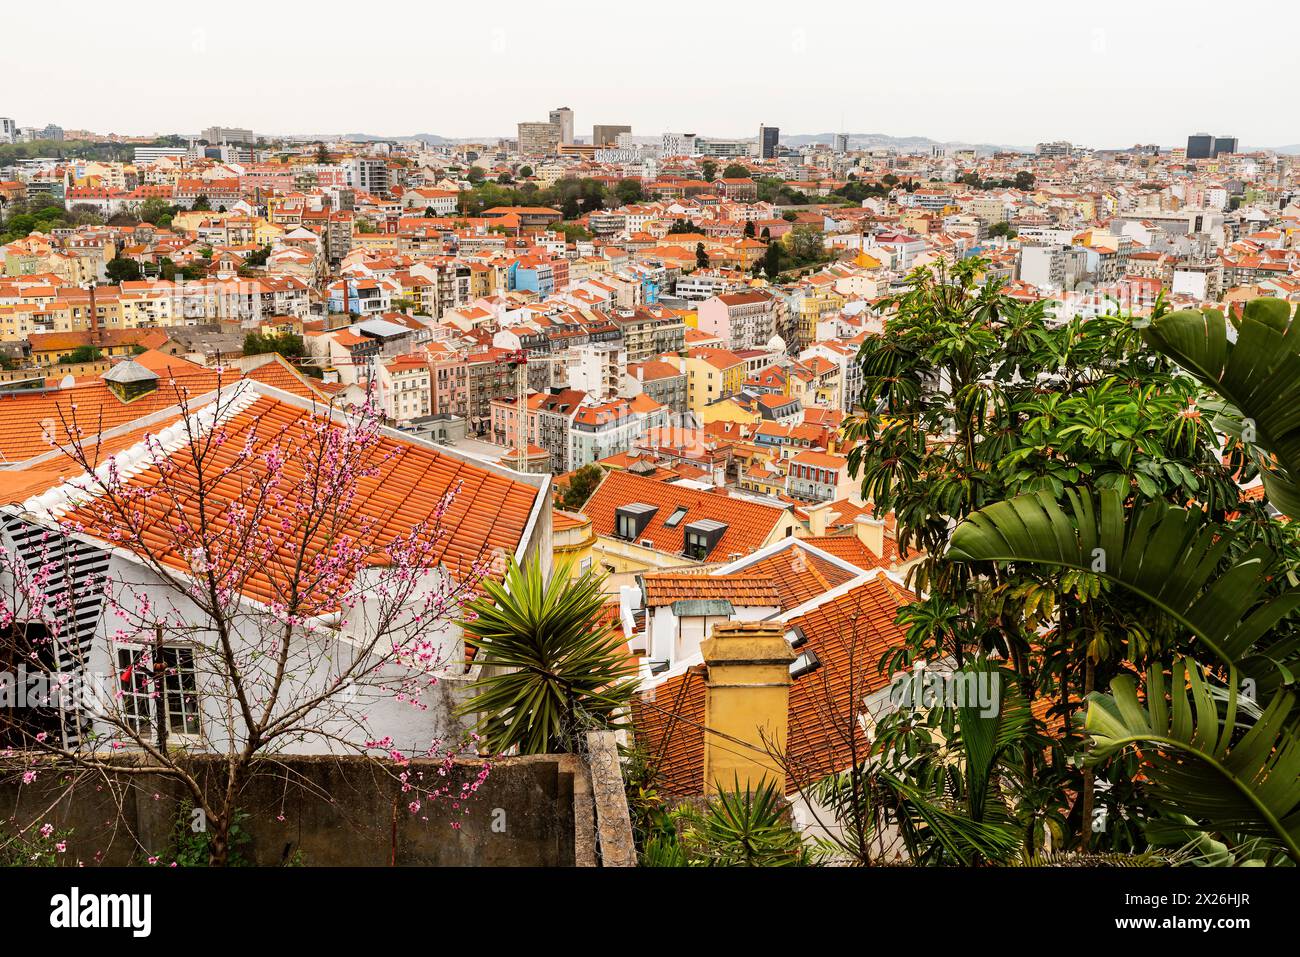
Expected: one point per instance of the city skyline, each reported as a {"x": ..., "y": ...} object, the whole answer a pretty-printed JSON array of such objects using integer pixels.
[{"x": 1047, "y": 75}]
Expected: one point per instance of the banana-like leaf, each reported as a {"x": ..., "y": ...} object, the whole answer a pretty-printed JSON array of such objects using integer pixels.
[
  {"x": 1259, "y": 373},
  {"x": 1171, "y": 557},
  {"x": 988, "y": 729},
  {"x": 1204, "y": 764},
  {"x": 963, "y": 839}
]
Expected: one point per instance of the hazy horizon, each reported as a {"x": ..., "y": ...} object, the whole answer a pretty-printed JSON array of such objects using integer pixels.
[{"x": 1107, "y": 76}]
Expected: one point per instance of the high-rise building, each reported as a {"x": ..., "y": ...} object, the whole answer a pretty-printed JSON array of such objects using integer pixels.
[
  {"x": 8, "y": 130},
  {"x": 1057, "y": 149},
  {"x": 216, "y": 135},
  {"x": 604, "y": 134},
  {"x": 1225, "y": 144},
  {"x": 678, "y": 144},
  {"x": 768, "y": 138},
  {"x": 841, "y": 142},
  {"x": 370, "y": 175},
  {"x": 52, "y": 133},
  {"x": 1200, "y": 146},
  {"x": 563, "y": 118},
  {"x": 539, "y": 139},
  {"x": 724, "y": 149},
  {"x": 151, "y": 154}
]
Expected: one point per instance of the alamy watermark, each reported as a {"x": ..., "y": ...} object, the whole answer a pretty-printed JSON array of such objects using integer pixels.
[{"x": 924, "y": 688}]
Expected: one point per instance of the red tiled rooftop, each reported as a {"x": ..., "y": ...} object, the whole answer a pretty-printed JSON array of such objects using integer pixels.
[{"x": 850, "y": 634}]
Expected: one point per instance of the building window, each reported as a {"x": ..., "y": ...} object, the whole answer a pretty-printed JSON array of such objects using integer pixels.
[
  {"x": 179, "y": 698},
  {"x": 631, "y": 519}
]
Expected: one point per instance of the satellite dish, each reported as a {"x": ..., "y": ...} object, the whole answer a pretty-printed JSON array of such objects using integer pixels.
[{"x": 67, "y": 382}]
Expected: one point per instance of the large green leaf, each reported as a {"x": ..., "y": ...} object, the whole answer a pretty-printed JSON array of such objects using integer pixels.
[
  {"x": 948, "y": 827},
  {"x": 1223, "y": 771},
  {"x": 988, "y": 730},
  {"x": 1172, "y": 557},
  {"x": 1259, "y": 373}
]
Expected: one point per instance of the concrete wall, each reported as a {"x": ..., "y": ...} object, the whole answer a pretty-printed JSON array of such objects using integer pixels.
[{"x": 336, "y": 811}]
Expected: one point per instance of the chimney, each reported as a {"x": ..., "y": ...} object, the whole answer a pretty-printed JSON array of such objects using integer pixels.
[
  {"x": 817, "y": 516},
  {"x": 746, "y": 703},
  {"x": 871, "y": 533}
]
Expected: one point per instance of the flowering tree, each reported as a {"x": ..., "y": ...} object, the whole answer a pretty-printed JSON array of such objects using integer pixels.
[{"x": 251, "y": 591}]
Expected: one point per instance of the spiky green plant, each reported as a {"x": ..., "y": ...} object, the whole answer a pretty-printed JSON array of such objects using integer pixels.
[{"x": 549, "y": 668}]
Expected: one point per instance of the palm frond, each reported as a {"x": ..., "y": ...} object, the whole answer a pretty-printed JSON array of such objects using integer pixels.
[
  {"x": 1210, "y": 766},
  {"x": 1171, "y": 557}
]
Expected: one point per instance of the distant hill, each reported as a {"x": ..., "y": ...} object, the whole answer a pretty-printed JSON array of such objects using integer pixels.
[
  {"x": 432, "y": 139},
  {"x": 875, "y": 141}
]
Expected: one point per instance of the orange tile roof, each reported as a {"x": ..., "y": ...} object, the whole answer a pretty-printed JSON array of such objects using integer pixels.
[
  {"x": 850, "y": 634},
  {"x": 664, "y": 588},
  {"x": 283, "y": 376},
  {"x": 749, "y": 524},
  {"x": 19, "y": 484},
  {"x": 489, "y": 511},
  {"x": 30, "y": 419},
  {"x": 799, "y": 576},
  {"x": 850, "y": 548},
  {"x": 563, "y": 521}
]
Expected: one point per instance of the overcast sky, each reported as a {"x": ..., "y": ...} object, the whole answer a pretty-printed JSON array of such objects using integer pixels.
[{"x": 1098, "y": 73}]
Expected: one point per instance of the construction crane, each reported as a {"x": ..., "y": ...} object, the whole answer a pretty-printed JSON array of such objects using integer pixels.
[{"x": 518, "y": 361}]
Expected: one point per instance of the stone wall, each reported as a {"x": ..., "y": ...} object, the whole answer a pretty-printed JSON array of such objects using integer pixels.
[{"x": 321, "y": 811}]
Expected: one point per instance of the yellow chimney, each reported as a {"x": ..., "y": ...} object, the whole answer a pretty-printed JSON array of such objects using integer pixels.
[
  {"x": 746, "y": 704},
  {"x": 871, "y": 533},
  {"x": 818, "y": 516}
]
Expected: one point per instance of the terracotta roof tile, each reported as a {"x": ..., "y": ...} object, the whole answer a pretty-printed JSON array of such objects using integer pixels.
[
  {"x": 850, "y": 634},
  {"x": 664, "y": 588},
  {"x": 749, "y": 524},
  {"x": 409, "y": 483}
]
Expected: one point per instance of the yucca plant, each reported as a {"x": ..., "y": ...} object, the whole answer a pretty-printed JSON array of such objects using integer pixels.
[
  {"x": 743, "y": 828},
  {"x": 550, "y": 668}
]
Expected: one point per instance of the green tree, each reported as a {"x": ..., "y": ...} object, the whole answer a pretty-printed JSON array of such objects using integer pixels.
[
  {"x": 551, "y": 669},
  {"x": 201, "y": 204},
  {"x": 1224, "y": 777},
  {"x": 701, "y": 257},
  {"x": 572, "y": 232},
  {"x": 773, "y": 260},
  {"x": 258, "y": 257},
  {"x": 475, "y": 174},
  {"x": 287, "y": 344},
  {"x": 749, "y": 229},
  {"x": 628, "y": 191},
  {"x": 1027, "y": 406},
  {"x": 155, "y": 210},
  {"x": 581, "y": 484},
  {"x": 806, "y": 245},
  {"x": 121, "y": 269},
  {"x": 741, "y": 828},
  {"x": 82, "y": 354},
  {"x": 735, "y": 171},
  {"x": 709, "y": 169},
  {"x": 525, "y": 171},
  {"x": 1002, "y": 229}
]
